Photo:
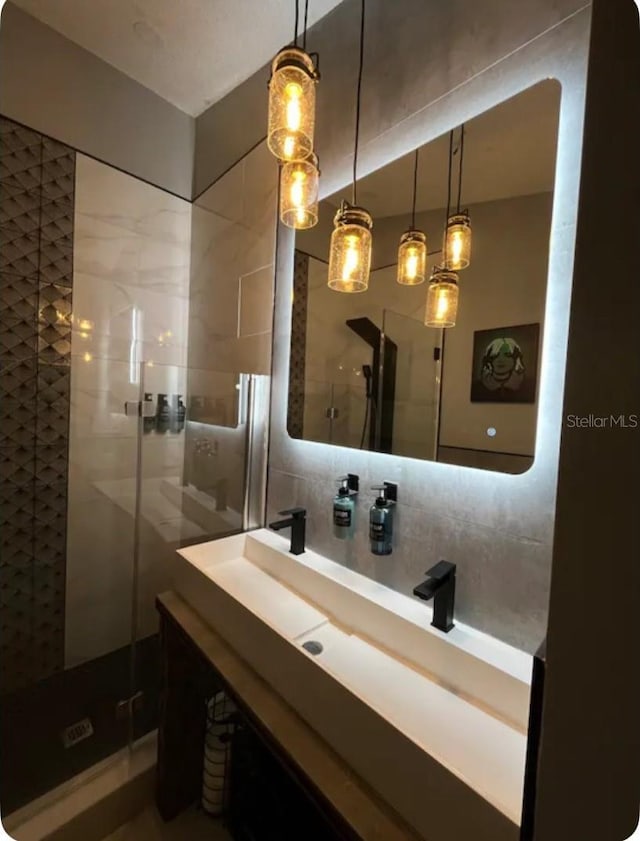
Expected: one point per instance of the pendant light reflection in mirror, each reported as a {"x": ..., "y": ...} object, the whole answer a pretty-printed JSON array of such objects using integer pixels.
[
  {"x": 443, "y": 291},
  {"x": 457, "y": 237},
  {"x": 412, "y": 253},
  {"x": 350, "y": 249}
]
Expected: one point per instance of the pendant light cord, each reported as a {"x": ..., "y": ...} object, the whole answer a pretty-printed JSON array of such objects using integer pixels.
[
  {"x": 297, "y": 21},
  {"x": 460, "y": 165},
  {"x": 304, "y": 30},
  {"x": 358, "y": 91},
  {"x": 449, "y": 178},
  {"x": 415, "y": 191}
]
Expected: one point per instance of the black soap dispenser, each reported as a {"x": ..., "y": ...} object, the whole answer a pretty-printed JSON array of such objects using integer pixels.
[{"x": 381, "y": 519}]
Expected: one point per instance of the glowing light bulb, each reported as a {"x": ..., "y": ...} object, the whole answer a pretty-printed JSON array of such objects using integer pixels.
[
  {"x": 292, "y": 98},
  {"x": 412, "y": 258},
  {"x": 350, "y": 249},
  {"x": 442, "y": 304},
  {"x": 442, "y": 299},
  {"x": 299, "y": 193},
  {"x": 297, "y": 189},
  {"x": 412, "y": 264},
  {"x": 455, "y": 247},
  {"x": 351, "y": 258},
  {"x": 457, "y": 242},
  {"x": 289, "y": 146},
  {"x": 293, "y": 93}
]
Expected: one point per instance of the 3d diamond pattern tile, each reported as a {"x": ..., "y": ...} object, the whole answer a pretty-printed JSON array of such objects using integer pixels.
[
  {"x": 17, "y": 340},
  {"x": 56, "y": 263},
  {"x": 18, "y": 380},
  {"x": 15, "y": 501},
  {"x": 49, "y": 544},
  {"x": 50, "y": 502},
  {"x": 51, "y": 463},
  {"x": 21, "y": 212},
  {"x": 19, "y": 253},
  {"x": 57, "y": 221},
  {"x": 54, "y": 382},
  {"x": 58, "y": 175},
  {"x": 36, "y": 264},
  {"x": 54, "y": 343},
  {"x": 16, "y": 546},
  {"x": 55, "y": 304},
  {"x": 20, "y": 158},
  {"x": 18, "y": 411},
  {"x": 18, "y": 298},
  {"x": 295, "y": 411},
  {"x": 52, "y": 422},
  {"x": 17, "y": 464}
]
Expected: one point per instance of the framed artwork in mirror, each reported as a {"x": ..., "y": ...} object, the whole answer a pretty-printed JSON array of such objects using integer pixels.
[{"x": 505, "y": 364}]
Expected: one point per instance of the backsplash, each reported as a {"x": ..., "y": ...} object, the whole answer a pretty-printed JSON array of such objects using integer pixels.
[{"x": 36, "y": 230}]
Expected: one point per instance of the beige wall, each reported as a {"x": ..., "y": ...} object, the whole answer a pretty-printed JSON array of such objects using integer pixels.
[
  {"x": 505, "y": 285},
  {"x": 54, "y": 86}
]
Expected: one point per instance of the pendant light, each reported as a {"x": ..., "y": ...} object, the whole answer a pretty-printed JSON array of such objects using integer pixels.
[
  {"x": 412, "y": 253},
  {"x": 457, "y": 236},
  {"x": 292, "y": 101},
  {"x": 299, "y": 193},
  {"x": 350, "y": 249},
  {"x": 442, "y": 298}
]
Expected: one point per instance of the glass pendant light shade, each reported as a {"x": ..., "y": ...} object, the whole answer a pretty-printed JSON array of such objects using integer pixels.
[
  {"x": 457, "y": 242},
  {"x": 350, "y": 251},
  {"x": 292, "y": 105},
  {"x": 299, "y": 193},
  {"x": 412, "y": 258},
  {"x": 442, "y": 299}
]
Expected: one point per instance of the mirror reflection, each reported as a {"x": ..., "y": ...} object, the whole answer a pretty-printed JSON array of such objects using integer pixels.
[{"x": 438, "y": 358}]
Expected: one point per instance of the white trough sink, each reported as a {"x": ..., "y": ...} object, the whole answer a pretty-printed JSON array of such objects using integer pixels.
[{"x": 434, "y": 722}]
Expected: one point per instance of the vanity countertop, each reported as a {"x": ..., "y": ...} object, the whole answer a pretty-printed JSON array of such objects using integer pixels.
[{"x": 460, "y": 698}]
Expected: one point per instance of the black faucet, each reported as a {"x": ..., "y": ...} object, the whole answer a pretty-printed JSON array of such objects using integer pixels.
[
  {"x": 441, "y": 586},
  {"x": 297, "y": 522}
]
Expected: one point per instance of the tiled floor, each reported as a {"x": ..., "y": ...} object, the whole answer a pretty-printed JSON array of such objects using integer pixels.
[{"x": 192, "y": 825}]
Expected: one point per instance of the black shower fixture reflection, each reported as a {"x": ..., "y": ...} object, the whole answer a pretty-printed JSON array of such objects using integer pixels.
[{"x": 380, "y": 383}]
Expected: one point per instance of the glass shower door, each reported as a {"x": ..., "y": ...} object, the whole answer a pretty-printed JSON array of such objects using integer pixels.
[
  {"x": 201, "y": 454},
  {"x": 415, "y": 405},
  {"x": 69, "y": 491}
]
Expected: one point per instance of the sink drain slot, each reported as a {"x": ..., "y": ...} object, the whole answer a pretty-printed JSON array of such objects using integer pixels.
[{"x": 313, "y": 647}]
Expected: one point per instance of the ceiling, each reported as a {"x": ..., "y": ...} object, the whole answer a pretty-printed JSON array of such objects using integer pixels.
[
  {"x": 190, "y": 52},
  {"x": 509, "y": 151}
]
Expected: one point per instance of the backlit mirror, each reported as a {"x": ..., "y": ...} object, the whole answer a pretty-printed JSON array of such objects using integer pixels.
[{"x": 366, "y": 372}]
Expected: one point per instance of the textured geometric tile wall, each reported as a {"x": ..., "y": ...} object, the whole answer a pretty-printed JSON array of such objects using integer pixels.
[
  {"x": 295, "y": 411},
  {"x": 37, "y": 178}
]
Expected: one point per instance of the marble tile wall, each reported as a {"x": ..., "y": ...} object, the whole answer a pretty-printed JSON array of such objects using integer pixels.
[
  {"x": 36, "y": 287},
  {"x": 131, "y": 305},
  {"x": 230, "y": 323}
]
